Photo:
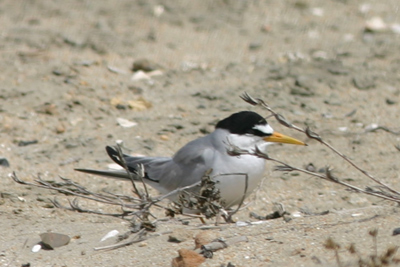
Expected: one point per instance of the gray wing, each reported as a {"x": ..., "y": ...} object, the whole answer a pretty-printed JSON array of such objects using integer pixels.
[
  {"x": 186, "y": 167},
  {"x": 166, "y": 174}
]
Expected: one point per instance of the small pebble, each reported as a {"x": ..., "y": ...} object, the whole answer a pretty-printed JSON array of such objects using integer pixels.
[
  {"x": 4, "y": 162},
  {"x": 363, "y": 82},
  {"x": 125, "y": 123},
  {"x": 36, "y": 248},
  {"x": 396, "y": 231},
  {"x": 27, "y": 143},
  {"x": 139, "y": 104},
  {"x": 144, "y": 65},
  {"x": 205, "y": 237},
  {"x": 187, "y": 258},
  {"x": 54, "y": 240},
  {"x": 140, "y": 75},
  {"x": 164, "y": 137},
  {"x": 375, "y": 24},
  {"x": 296, "y": 214},
  {"x": 60, "y": 129}
]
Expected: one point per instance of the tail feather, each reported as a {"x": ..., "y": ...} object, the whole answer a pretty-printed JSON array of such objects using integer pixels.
[
  {"x": 113, "y": 154},
  {"x": 131, "y": 164},
  {"x": 107, "y": 173}
]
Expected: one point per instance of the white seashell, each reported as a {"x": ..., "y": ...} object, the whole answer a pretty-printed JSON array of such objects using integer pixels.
[{"x": 110, "y": 234}]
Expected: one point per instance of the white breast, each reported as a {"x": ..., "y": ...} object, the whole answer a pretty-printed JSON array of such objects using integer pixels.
[{"x": 231, "y": 171}]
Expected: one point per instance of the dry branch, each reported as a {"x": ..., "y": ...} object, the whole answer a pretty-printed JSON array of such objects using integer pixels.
[{"x": 381, "y": 190}]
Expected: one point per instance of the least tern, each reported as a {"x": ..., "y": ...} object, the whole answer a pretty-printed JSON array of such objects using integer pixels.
[{"x": 245, "y": 130}]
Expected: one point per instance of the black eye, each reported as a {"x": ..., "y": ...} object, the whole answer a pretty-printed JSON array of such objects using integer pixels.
[{"x": 257, "y": 133}]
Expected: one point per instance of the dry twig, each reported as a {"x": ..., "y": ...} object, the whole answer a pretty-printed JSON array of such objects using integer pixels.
[{"x": 382, "y": 190}]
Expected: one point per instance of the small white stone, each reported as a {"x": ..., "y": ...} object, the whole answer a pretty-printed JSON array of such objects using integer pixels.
[
  {"x": 296, "y": 214},
  {"x": 317, "y": 11},
  {"x": 140, "y": 75},
  {"x": 36, "y": 248},
  {"x": 126, "y": 123},
  {"x": 371, "y": 127},
  {"x": 395, "y": 28},
  {"x": 158, "y": 10},
  {"x": 240, "y": 223},
  {"x": 376, "y": 24}
]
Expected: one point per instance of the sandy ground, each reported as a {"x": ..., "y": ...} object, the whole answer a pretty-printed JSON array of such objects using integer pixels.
[{"x": 67, "y": 76}]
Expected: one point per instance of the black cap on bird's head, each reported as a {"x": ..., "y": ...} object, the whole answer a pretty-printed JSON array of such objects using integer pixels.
[
  {"x": 244, "y": 122},
  {"x": 251, "y": 123}
]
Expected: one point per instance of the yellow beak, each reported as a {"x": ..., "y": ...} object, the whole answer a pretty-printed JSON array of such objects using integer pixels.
[{"x": 280, "y": 138}]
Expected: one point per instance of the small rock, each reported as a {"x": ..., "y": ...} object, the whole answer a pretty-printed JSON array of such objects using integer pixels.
[
  {"x": 158, "y": 10},
  {"x": 187, "y": 258},
  {"x": 338, "y": 69},
  {"x": 180, "y": 236},
  {"x": 125, "y": 123},
  {"x": 36, "y": 248},
  {"x": 305, "y": 82},
  {"x": 310, "y": 167},
  {"x": 317, "y": 11},
  {"x": 60, "y": 129},
  {"x": 116, "y": 102},
  {"x": 135, "y": 89},
  {"x": 164, "y": 137},
  {"x": 27, "y": 143},
  {"x": 47, "y": 108},
  {"x": 144, "y": 65},
  {"x": 363, "y": 82},
  {"x": 396, "y": 231},
  {"x": 4, "y": 162},
  {"x": 296, "y": 90},
  {"x": 140, "y": 75},
  {"x": 85, "y": 62},
  {"x": 390, "y": 101},
  {"x": 254, "y": 46},
  {"x": 54, "y": 240},
  {"x": 205, "y": 237},
  {"x": 139, "y": 104},
  {"x": 375, "y": 24}
]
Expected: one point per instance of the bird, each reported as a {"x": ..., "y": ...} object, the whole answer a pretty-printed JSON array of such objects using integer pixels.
[{"x": 246, "y": 130}]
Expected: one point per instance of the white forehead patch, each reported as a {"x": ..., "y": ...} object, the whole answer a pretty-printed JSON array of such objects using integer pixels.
[{"x": 264, "y": 128}]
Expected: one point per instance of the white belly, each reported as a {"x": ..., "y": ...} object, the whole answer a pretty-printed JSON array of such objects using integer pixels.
[{"x": 231, "y": 177}]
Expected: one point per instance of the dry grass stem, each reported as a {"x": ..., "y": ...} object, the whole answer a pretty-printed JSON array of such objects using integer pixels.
[{"x": 380, "y": 190}]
